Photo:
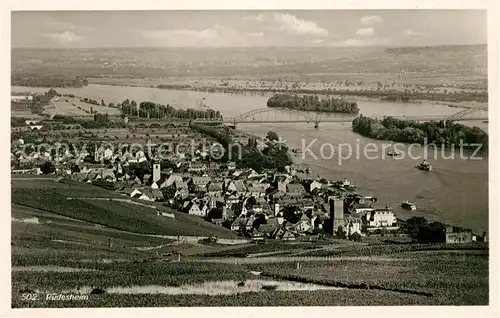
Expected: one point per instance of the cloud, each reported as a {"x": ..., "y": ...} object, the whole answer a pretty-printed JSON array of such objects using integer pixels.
[
  {"x": 366, "y": 32},
  {"x": 61, "y": 25},
  {"x": 218, "y": 36},
  {"x": 317, "y": 41},
  {"x": 65, "y": 37},
  {"x": 412, "y": 33},
  {"x": 375, "y": 41},
  {"x": 291, "y": 24},
  {"x": 259, "y": 34},
  {"x": 371, "y": 19}
]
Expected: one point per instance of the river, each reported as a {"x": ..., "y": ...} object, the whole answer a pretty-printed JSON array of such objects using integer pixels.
[{"x": 455, "y": 192}]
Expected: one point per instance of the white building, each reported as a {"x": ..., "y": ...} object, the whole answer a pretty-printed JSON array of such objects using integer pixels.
[
  {"x": 381, "y": 218},
  {"x": 156, "y": 172},
  {"x": 353, "y": 225}
]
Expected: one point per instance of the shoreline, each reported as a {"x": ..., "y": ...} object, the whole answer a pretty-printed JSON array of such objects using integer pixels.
[
  {"x": 351, "y": 94},
  {"x": 220, "y": 90}
]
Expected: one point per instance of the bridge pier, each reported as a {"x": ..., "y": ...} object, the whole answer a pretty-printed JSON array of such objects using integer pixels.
[{"x": 316, "y": 124}]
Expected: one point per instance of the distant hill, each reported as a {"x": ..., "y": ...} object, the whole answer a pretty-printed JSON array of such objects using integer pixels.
[{"x": 160, "y": 62}]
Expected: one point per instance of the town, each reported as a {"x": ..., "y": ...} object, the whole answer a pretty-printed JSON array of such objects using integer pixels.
[{"x": 258, "y": 205}]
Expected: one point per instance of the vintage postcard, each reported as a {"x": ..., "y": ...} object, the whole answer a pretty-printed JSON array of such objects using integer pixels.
[{"x": 249, "y": 157}]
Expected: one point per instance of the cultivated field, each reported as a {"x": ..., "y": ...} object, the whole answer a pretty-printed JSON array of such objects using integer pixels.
[
  {"x": 67, "y": 106},
  {"x": 85, "y": 202}
]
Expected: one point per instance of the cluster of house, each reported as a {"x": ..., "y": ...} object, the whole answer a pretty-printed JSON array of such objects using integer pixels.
[
  {"x": 268, "y": 204},
  {"x": 28, "y": 155}
]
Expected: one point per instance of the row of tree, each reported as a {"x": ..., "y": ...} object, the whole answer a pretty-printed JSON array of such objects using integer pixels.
[
  {"x": 148, "y": 109},
  {"x": 49, "y": 81},
  {"x": 440, "y": 133},
  {"x": 380, "y": 92},
  {"x": 313, "y": 103},
  {"x": 419, "y": 229}
]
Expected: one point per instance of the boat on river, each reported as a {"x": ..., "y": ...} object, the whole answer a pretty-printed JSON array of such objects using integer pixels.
[
  {"x": 424, "y": 165},
  {"x": 408, "y": 205},
  {"x": 346, "y": 185},
  {"x": 393, "y": 153}
]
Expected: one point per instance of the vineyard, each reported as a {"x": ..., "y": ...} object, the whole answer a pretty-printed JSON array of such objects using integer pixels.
[{"x": 72, "y": 200}]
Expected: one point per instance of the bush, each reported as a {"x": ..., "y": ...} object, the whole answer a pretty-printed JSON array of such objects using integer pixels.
[
  {"x": 48, "y": 167},
  {"x": 356, "y": 237}
]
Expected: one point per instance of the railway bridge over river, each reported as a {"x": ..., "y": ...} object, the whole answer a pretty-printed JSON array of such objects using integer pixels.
[{"x": 291, "y": 116}]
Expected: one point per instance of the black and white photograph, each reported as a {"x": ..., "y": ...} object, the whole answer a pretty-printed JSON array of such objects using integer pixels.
[{"x": 249, "y": 157}]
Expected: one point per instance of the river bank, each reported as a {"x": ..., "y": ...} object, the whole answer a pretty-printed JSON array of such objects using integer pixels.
[{"x": 364, "y": 92}]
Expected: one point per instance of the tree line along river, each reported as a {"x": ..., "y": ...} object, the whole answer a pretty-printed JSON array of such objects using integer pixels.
[{"x": 455, "y": 192}]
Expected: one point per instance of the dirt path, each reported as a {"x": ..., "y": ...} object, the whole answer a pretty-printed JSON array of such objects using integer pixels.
[{"x": 284, "y": 259}]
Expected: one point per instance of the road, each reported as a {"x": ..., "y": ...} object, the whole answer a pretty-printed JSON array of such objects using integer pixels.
[{"x": 55, "y": 107}]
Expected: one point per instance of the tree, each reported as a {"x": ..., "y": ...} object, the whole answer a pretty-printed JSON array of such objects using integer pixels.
[
  {"x": 259, "y": 220},
  {"x": 48, "y": 167},
  {"x": 356, "y": 237},
  {"x": 340, "y": 233},
  {"x": 251, "y": 201},
  {"x": 271, "y": 135},
  {"x": 414, "y": 224},
  {"x": 75, "y": 168}
]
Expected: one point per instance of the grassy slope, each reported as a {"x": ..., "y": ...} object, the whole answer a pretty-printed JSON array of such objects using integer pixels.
[{"x": 52, "y": 197}]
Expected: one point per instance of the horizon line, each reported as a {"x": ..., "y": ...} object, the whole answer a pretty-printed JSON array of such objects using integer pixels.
[{"x": 242, "y": 47}]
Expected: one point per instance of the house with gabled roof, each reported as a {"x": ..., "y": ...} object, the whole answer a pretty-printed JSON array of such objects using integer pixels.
[
  {"x": 200, "y": 181},
  {"x": 137, "y": 180},
  {"x": 157, "y": 194},
  {"x": 132, "y": 192},
  {"x": 181, "y": 193},
  {"x": 239, "y": 223},
  {"x": 315, "y": 185},
  {"x": 276, "y": 194},
  {"x": 250, "y": 220},
  {"x": 257, "y": 190},
  {"x": 288, "y": 236},
  {"x": 295, "y": 189},
  {"x": 304, "y": 224},
  {"x": 231, "y": 165},
  {"x": 214, "y": 187},
  {"x": 232, "y": 199},
  {"x": 170, "y": 180},
  {"x": 185, "y": 205},
  {"x": 194, "y": 209},
  {"x": 267, "y": 229},
  {"x": 204, "y": 208},
  {"x": 147, "y": 196},
  {"x": 257, "y": 235},
  {"x": 197, "y": 167},
  {"x": 239, "y": 174},
  {"x": 237, "y": 186},
  {"x": 108, "y": 175},
  {"x": 252, "y": 175}
]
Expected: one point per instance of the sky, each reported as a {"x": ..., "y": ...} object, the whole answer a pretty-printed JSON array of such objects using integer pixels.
[{"x": 325, "y": 28}]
